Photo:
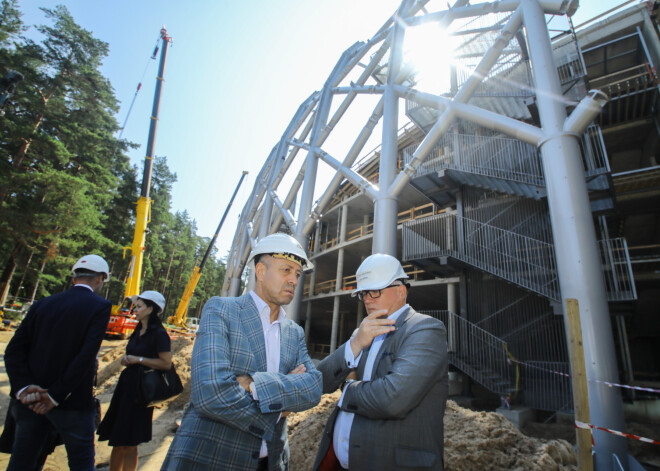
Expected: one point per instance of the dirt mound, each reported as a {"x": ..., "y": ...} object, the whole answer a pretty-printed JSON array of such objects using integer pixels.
[
  {"x": 473, "y": 440},
  {"x": 488, "y": 441}
]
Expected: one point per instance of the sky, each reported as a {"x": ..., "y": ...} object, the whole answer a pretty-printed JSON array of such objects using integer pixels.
[{"x": 236, "y": 73}]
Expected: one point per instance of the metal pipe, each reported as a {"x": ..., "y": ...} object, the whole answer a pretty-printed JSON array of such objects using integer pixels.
[
  {"x": 489, "y": 119},
  {"x": 353, "y": 153},
  {"x": 576, "y": 247},
  {"x": 440, "y": 127},
  {"x": 385, "y": 205},
  {"x": 585, "y": 112},
  {"x": 285, "y": 213}
]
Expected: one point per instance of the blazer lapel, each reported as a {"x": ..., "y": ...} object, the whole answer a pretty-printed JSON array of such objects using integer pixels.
[
  {"x": 362, "y": 363},
  {"x": 386, "y": 347},
  {"x": 285, "y": 348},
  {"x": 253, "y": 331}
]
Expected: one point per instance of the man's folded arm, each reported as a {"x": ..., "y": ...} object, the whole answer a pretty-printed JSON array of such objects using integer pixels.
[
  {"x": 216, "y": 394},
  {"x": 290, "y": 392}
]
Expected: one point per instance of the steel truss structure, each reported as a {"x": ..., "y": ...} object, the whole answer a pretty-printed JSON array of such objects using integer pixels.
[{"x": 503, "y": 51}]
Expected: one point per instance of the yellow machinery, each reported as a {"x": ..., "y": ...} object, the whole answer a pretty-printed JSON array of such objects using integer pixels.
[
  {"x": 179, "y": 317},
  {"x": 121, "y": 321}
]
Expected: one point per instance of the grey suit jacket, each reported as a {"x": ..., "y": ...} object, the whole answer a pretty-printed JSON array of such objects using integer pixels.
[{"x": 399, "y": 413}]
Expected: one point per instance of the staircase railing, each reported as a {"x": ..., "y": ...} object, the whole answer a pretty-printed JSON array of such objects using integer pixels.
[
  {"x": 522, "y": 260},
  {"x": 503, "y": 157},
  {"x": 476, "y": 352}
]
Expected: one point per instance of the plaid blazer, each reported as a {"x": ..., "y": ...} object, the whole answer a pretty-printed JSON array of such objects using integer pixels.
[{"x": 222, "y": 427}]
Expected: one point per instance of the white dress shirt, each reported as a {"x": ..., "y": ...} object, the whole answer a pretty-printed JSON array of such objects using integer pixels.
[
  {"x": 344, "y": 422},
  {"x": 272, "y": 339}
]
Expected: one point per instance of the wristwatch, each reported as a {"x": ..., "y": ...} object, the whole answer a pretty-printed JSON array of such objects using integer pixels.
[
  {"x": 140, "y": 360},
  {"x": 251, "y": 387}
]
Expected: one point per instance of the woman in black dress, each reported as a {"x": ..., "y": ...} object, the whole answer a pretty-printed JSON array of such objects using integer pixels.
[{"x": 128, "y": 423}]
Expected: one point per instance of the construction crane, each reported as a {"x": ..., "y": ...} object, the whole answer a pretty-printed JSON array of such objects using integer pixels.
[
  {"x": 122, "y": 322},
  {"x": 179, "y": 317}
]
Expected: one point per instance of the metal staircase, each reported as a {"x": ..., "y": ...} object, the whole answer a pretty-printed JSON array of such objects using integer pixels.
[
  {"x": 524, "y": 261},
  {"x": 504, "y": 165},
  {"x": 477, "y": 353}
]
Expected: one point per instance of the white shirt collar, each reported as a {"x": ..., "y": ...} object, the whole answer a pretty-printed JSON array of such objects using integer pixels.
[
  {"x": 83, "y": 285},
  {"x": 264, "y": 310},
  {"x": 395, "y": 315}
]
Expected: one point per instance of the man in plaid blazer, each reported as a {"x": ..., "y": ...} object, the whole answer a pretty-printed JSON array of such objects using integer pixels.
[{"x": 250, "y": 368}]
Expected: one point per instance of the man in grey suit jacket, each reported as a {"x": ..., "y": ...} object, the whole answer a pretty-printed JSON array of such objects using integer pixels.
[
  {"x": 250, "y": 368},
  {"x": 390, "y": 416}
]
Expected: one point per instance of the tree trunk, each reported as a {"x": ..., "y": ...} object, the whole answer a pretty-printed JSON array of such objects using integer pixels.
[
  {"x": 8, "y": 272},
  {"x": 36, "y": 283},
  {"x": 169, "y": 267},
  {"x": 18, "y": 158},
  {"x": 20, "y": 283}
]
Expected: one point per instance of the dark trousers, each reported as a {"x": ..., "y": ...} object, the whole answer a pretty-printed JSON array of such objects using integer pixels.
[{"x": 76, "y": 428}]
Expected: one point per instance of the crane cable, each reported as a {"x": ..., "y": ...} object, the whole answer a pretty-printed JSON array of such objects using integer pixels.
[{"x": 139, "y": 86}]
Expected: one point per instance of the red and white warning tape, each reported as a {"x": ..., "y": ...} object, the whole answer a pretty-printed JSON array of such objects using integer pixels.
[
  {"x": 607, "y": 383},
  {"x": 586, "y": 426}
]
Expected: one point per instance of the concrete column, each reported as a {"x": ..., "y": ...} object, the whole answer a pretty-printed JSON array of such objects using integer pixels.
[
  {"x": 235, "y": 287},
  {"x": 452, "y": 305},
  {"x": 308, "y": 321},
  {"x": 576, "y": 248},
  {"x": 339, "y": 279}
]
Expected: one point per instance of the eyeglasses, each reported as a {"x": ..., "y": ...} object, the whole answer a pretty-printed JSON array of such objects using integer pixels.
[{"x": 375, "y": 293}]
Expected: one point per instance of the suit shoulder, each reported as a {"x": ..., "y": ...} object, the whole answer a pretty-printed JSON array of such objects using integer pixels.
[
  {"x": 424, "y": 321},
  {"x": 294, "y": 325},
  {"x": 225, "y": 306}
]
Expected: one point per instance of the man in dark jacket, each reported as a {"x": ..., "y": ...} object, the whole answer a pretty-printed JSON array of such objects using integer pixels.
[{"x": 51, "y": 363}]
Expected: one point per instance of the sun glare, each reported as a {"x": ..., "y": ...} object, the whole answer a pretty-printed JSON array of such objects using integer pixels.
[{"x": 430, "y": 50}]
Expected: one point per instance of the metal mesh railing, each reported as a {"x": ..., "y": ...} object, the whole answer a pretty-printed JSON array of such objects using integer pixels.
[
  {"x": 617, "y": 269},
  {"x": 545, "y": 390},
  {"x": 503, "y": 157},
  {"x": 476, "y": 352},
  {"x": 498, "y": 157},
  {"x": 522, "y": 260}
]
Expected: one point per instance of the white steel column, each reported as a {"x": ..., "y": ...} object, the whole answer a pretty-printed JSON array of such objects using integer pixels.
[
  {"x": 578, "y": 258},
  {"x": 386, "y": 204},
  {"x": 307, "y": 197},
  {"x": 339, "y": 278}
]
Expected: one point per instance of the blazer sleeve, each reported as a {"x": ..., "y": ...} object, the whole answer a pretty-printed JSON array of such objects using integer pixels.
[
  {"x": 72, "y": 378},
  {"x": 421, "y": 358},
  {"x": 334, "y": 369},
  {"x": 279, "y": 392},
  {"x": 17, "y": 351},
  {"x": 215, "y": 392}
]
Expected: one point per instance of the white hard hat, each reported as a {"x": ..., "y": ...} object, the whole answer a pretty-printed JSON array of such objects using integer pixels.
[
  {"x": 282, "y": 245},
  {"x": 92, "y": 263},
  {"x": 153, "y": 296},
  {"x": 378, "y": 271}
]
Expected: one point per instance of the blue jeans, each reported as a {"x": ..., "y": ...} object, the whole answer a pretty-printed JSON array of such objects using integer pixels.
[{"x": 76, "y": 427}]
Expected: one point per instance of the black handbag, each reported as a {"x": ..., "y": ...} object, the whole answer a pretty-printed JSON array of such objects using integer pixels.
[{"x": 156, "y": 386}]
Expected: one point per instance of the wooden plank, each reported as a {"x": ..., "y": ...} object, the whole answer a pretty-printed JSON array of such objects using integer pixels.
[{"x": 579, "y": 381}]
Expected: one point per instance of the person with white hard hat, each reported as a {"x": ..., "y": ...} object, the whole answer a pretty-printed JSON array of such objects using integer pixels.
[
  {"x": 250, "y": 368},
  {"x": 391, "y": 409},
  {"x": 51, "y": 364},
  {"x": 128, "y": 422}
]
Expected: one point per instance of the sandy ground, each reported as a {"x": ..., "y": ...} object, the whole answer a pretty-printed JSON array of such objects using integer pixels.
[{"x": 473, "y": 440}]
